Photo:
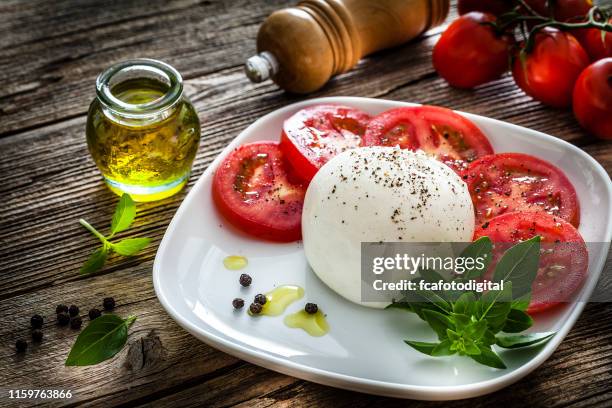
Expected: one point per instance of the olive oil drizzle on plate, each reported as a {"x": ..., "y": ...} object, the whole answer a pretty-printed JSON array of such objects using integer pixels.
[
  {"x": 279, "y": 299},
  {"x": 235, "y": 262},
  {"x": 314, "y": 324}
]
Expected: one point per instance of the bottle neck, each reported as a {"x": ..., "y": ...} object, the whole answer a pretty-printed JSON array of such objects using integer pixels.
[{"x": 139, "y": 92}]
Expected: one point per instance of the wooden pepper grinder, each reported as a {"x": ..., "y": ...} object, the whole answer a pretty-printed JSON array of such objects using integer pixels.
[{"x": 301, "y": 47}]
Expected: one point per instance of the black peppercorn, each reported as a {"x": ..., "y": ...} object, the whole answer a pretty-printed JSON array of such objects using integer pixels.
[
  {"x": 245, "y": 280},
  {"x": 261, "y": 299},
  {"x": 63, "y": 319},
  {"x": 76, "y": 322},
  {"x": 238, "y": 303},
  {"x": 37, "y": 335},
  {"x": 255, "y": 308},
  {"x": 36, "y": 321},
  {"x": 311, "y": 308},
  {"x": 61, "y": 309},
  {"x": 73, "y": 310},
  {"x": 108, "y": 303},
  {"x": 94, "y": 314},
  {"x": 21, "y": 345}
]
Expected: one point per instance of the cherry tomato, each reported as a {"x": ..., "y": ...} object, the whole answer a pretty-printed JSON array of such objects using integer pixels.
[
  {"x": 596, "y": 45},
  {"x": 315, "y": 134},
  {"x": 470, "y": 53},
  {"x": 593, "y": 98},
  {"x": 563, "y": 10},
  {"x": 255, "y": 191},
  {"x": 495, "y": 7},
  {"x": 563, "y": 254},
  {"x": 453, "y": 139},
  {"x": 508, "y": 182},
  {"x": 549, "y": 72}
]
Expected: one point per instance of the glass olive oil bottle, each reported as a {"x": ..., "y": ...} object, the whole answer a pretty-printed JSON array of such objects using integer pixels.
[{"x": 142, "y": 131}]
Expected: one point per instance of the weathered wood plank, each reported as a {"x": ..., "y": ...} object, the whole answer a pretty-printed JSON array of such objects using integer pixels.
[
  {"x": 176, "y": 359},
  {"x": 49, "y": 63}
]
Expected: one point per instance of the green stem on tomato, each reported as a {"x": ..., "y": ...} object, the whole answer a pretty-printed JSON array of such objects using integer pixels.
[
  {"x": 529, "y": 9},
  {"x": 590, "y": 23}
]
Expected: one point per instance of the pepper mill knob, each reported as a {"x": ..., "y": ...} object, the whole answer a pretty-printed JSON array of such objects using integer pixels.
[
  {"x": 261, "y": 67},
  {"x": 302, "y": 47}
]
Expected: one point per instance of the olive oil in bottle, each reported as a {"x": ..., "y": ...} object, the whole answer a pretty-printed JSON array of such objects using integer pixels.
[{"x": 142, "y": 132}]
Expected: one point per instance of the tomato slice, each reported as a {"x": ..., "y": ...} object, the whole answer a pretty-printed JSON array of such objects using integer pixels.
[
  {"x": 453, "y": 139},
  {"x": 508, "y": 182},
  {"x": 315, "y": 134},
  {"x": 254, "y": 190},
  {"x": 395, "y": 127},
  {"x": 563, "y": 254}
]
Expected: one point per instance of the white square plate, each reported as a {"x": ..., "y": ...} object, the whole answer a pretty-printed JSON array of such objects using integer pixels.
[{"x": 364, "y": 350}]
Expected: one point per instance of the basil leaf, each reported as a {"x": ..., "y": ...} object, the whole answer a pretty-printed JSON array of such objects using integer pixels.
[
  {"x": 96, "y": 260},
  {"x": 437, "y": 301},
  {"x": 477, "y": 329},
  {"x": 453, "y": 335},
  {"x": 425, "y": 348},
  {"x": 443, "y": 349},
  {"x": 471, "y": 349},
  {"x": 495, "y": 306},
  {"x": 522, "y": 303},
  {"x": 438, "y": 322},
  {"x": 481, "y": 248},
  {"x": 512, "y": 341},
  {"x": 461, "y": 321},
  {"x": 519, "y": 265},
  {"x": 517, "y": 321},
  {"x": 488, "y": 357},
  {"x": 488, "y": 338},
  {"x": 400, "y": 305},
  {"x": 430, "y": 275},
  {"x": 466, "y": 304},
  {"x": 130, "y": 246},
  {"x": 124, "y": 214},
  {"x": 100, "y": 340},
  {"x": 419, "y": 307}
]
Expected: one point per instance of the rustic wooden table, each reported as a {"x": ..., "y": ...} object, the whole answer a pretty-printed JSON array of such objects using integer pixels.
[{"x": 50, "y": 54}]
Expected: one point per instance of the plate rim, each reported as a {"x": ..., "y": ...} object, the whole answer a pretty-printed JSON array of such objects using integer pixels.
[{"x": 345, "y": 381}]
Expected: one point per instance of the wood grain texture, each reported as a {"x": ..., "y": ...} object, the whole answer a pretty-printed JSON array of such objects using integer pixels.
[{"x": 48, "y": 64}]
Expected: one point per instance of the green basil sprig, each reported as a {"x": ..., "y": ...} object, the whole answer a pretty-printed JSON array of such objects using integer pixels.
[
  {"x": 124, "y": 215},
  {"x": 469, "y": 324},
  {"x": 100, "y": 340}
]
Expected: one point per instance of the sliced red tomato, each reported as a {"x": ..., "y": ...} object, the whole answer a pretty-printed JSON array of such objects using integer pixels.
[
  {"x": 255, "y": 191},
  {"x": 453, "y": 139},
  {"x": 563, "y": 254},
  {"x": 395, "y": 127},
  {"x": 508, "y": 182},
  {"x": 315, "y": 134}
]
